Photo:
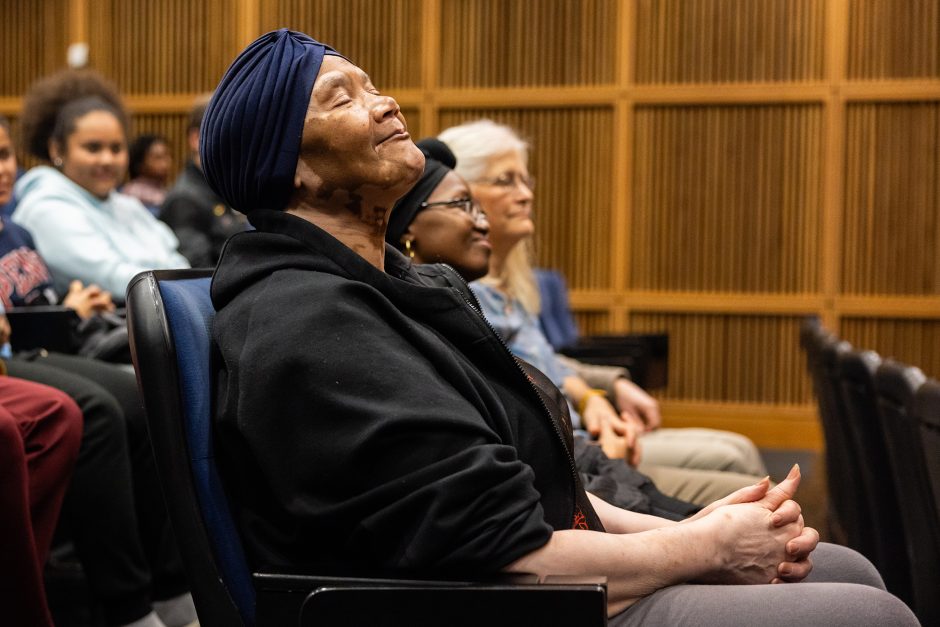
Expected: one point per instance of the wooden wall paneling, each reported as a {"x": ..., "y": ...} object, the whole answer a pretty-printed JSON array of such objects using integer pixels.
[
  {"x": 892, "y": 210},
  {"x": 730, "y": 358},
  {"x": 592, "y": 322},
  {"x": 503, "y": 43},
  {"x": 35, "y": 38},
  {"x": 914, "y": 342},
  {"x": 382, "y": 36},
  {"x": 697, "y": 41},
  {"x": 129, "y": 44},
  {"x": 432, "y": 49},
  {"x": 888, "y": 39},
  {"x": 730, "y": 198},
  {"x": 570, "y": 158}
]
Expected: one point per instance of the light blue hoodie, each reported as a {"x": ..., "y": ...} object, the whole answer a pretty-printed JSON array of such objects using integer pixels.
[{"x": 105, "y": 242}]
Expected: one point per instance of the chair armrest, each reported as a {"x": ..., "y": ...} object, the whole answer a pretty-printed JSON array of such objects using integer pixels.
[
  {"x": 645, "y": 355},
  {"x": 505, "y": 600},
  {"x": 46, "y": 326}
]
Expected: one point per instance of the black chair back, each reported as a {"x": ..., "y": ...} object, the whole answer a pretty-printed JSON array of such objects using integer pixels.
[
  {"x": 926, "y": 410},
  {"x": 882, "y": 539},
  {"x": 169, "y": 313},
  {"x": 895, "y": 386},
  {"x": 822, "y": 351}
]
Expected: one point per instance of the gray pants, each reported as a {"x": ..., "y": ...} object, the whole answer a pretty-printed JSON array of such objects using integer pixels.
[{"x": 843, "y": 589}]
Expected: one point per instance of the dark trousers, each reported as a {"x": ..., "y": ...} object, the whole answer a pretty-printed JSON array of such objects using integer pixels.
[
  {"x": 114, "y": 510},
  {"x": 40, "y": 433}
]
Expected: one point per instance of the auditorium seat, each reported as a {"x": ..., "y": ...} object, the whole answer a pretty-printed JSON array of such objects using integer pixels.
[
  {"x": 822, "y": 350},
  {"x": 895, "y": 386},
  {"x": 926, "y": 410},
  {"x": 169, "y": 317},
  {"x": 882, "y": 537}
]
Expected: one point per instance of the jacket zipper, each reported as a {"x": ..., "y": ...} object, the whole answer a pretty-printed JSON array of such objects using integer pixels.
[{"x": 477, "y": 309}]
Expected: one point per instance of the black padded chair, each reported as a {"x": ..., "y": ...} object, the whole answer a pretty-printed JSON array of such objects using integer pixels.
[
  {"x": 822, "y": 351},
  {"x": 169, "y": 317},
  {"x": 895, "y": 386},
  {"x": 882, "y": 538},
  {"x": 926, "y": 411}
]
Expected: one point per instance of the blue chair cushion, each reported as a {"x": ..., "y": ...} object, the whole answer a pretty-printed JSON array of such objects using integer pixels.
[{"x": 189, "y": 314}]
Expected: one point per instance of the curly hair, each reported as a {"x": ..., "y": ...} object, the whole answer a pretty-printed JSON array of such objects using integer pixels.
[{"x": 46, "y": 98}]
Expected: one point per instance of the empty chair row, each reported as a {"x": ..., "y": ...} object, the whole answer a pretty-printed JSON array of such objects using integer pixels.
[{"x": 881, "y": 423}]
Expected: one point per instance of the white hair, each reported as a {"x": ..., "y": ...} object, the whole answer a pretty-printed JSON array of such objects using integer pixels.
[{"x": 478, "y": 142}]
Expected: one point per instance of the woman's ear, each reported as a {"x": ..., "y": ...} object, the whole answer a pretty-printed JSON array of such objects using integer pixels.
[{"x": 55, "y": 153}]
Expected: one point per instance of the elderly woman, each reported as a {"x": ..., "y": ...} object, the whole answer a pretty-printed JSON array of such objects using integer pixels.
[{"x": 369, "y": 420}]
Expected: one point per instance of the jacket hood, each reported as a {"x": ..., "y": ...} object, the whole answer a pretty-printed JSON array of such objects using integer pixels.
[
  {"x": 284, "y": 241},
  {"x": 46, "y": 182}
]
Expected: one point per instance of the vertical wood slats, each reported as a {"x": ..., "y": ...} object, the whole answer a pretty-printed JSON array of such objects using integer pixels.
[
  {"x": 524, "y": 43},
  {"x": 891, "y": 40},
  {"x": 381, "y": 36},
  {"x": 731, "y": 358},
  {"x": 165, "y": 47},
  {"x": 720, "y": 199},
  {"x": 891, "y": 234},
  {"x": 27, "y": 56},
  {"x": 573, "y": 221},
  {"x": 701, "y": 41},
  {"x": 727, "y": 198},
  {"x": 915, "y": 342},
  {"x": 592, "y": 322}
]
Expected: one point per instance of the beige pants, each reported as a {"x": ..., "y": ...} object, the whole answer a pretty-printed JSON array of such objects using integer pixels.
[
  {"x": 702, "y": 449},
  {"x": 696, "y": 486},
  {"x": 700, "y": 465}
]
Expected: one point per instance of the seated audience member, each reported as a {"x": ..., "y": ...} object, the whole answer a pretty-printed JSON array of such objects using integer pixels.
[
  {"x": 494, "y": 161},
  {"x": 113, "y": 508},
  {"x": 438, "y": 222},
  {"x": 40, "y": 431},
  {"x": 149, "y": 165},
  {"x": 83, "y": 227},
  {"x": 200, "y": 218},
  {"x": 370, "y": 420}
]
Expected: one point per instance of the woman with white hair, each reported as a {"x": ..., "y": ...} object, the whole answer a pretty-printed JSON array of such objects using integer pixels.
[{"x": 494, "y": 159}]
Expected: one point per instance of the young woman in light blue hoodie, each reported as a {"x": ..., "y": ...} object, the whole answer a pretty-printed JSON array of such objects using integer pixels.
[{"x": 83, "y": 227}]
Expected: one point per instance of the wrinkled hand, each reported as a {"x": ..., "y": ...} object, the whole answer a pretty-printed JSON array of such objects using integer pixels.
[
  {"x": 631, "y": 399},
  {"x": 797, "y": 565},
  {"x": 762, "y": 533},
  {"x": 619, "y": 438},
  {"x": 87, "y": 301}
]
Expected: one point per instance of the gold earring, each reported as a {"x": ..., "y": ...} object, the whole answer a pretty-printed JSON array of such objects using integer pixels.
[{"x": 408, "y": 249}]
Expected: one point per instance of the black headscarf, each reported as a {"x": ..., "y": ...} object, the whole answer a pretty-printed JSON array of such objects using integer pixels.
[
  {"x": 250, "y": 137},
  {"x": 438, "y": 161}
]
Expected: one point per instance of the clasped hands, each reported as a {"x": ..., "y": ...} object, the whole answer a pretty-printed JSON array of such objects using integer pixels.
[
  {"x": 87, "y": 300},
  {"x": 762, "y": 534},
  {"x": 618, "y": 432}
]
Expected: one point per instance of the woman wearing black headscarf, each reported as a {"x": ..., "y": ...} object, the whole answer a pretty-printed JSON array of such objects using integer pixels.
[{"x": 370, "y": 421}]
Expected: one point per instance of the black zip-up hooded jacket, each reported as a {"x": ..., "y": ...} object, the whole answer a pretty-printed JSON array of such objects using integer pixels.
[{"x": 371, "y": 422}]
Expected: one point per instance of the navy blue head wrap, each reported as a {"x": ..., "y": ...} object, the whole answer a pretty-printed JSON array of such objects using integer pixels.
[
  {"x": 438, "y": 161},
  {"x": 250, "y": 138}
]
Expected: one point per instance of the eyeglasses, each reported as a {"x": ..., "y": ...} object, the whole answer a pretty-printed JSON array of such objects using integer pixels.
[
  {"x": 509, "y": 180},
  {"x": 467, "y": 205}
]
